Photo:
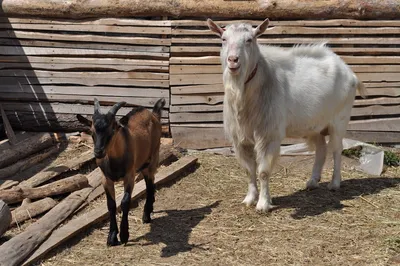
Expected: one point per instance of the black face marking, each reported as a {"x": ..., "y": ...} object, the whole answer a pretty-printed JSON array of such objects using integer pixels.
[{"x": 104, "y": 130}]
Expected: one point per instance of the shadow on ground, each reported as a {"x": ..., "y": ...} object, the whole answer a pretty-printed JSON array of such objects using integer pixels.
[
  {"x": 315, "y": 202},
  {"x": 174, "y": 229}
]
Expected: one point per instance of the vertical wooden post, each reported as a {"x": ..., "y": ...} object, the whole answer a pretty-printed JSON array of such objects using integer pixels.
[{"x": 9, "y": 130}]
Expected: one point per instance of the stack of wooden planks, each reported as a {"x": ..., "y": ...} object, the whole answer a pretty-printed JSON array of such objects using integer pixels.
[
  {"x": 372, "y": 48},
  {"x": 52, "y": 69},
  {"x": 50, "y": 196}
]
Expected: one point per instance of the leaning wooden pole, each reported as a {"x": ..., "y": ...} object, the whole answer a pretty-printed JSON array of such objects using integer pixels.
[{"x": 282, "y": 9}]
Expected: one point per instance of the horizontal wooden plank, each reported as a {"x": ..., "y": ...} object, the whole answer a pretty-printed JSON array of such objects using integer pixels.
[
  {"x": 82, "y": 60},
  {"x": 376, "y": 110},
  {"x": 91, "y": 67},
  {"x": 378, "y": 100},
  {"x": 328, "y": 22},
  {"x": 195, "y": 138},
  {"x": 200, "y": 60},
  {"x": 188, "y": 79},
  {"x": 217, "y": 69},
  {"x": 293, "y": 40},
  {"x": 212, "y": 117},
  {"x": 195, "y": 117},
  {"x": 62, "y": 108},
  {"x": 195, "y": 69},
  {"x": 195, "y": 108},
  {"x": 191, "y": 79},
  {"x": 198, "y": 89},
  {"x": 85, "y": 37},
  {"x": 200, "y": 103},
  {"x": 102, "y": 21},
  {"x": 215, "y": 60},
  {"x": 40, "y": 51},
  {"x": 85, "y": 45},
  {"x": 197, "y": 99},
  {"x": 208, "y": 50},
  {"x": 371, "y": 60},
  {"x": 287, "y": 30},
  {"x": 83, "y": 99},
  {"x": 219, "y": 88},
  {"x": 88, "y": 28},
  {"x": 89, "y": 91},
  {"x": 86, "y": 81},
  {"x": 383, "y": 124},
  {"x": 374, "y": 136},
  {"x": 83, "y": 74},
  {"x": 380, "y": 77},
  {"x": 382, "y": 84},
  {"x": 206, "y": 138}
]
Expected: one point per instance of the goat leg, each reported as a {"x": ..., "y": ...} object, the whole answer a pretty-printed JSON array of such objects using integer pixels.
[
  {"x": 148, "y": 207},
  {"x": 112, "y": 239},
  {"x": 125, "y": 205}
]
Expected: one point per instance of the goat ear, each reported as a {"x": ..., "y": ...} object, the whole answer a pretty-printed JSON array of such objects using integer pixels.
[
  {"x": 215, "y": 28},
  {"x": 261, "y": 28},
  {"x": 84, "y": 120},
  {"x": 124, "y": 120}
]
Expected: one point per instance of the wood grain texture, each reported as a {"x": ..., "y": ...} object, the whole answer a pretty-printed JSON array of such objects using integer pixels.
[{"x": 287, "y": 9}]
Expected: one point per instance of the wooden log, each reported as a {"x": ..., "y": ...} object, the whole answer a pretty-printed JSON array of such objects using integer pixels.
[
  {"x": 25, "y": 148},
  {"x": 14, "y": 251},
  {"x": 5, "y": 217},
  {"x": 53, "y": 171},
  {"x": 285, "y": 9},
  {"x": 8, "y": 184},
  {"x": 30, "y": 210},
  {"x": 21, "y": 165},
  {"x": 81, "y": 223},
  {"x": 59, "y": 187}
]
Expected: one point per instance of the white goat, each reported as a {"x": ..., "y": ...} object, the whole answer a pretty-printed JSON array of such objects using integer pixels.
[{"x": 272, "y": 93}]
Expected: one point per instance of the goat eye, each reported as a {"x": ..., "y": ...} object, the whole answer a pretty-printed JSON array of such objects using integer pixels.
[
  {"x": 223, "y": 39},
  {"x": 249, "y": 40}
]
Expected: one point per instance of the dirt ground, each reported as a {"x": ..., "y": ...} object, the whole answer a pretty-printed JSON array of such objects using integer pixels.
[{"x": 199, "y": 220}]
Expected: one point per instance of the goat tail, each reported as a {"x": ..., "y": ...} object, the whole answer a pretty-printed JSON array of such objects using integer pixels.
[
  {"x": 361, "y": 89},
  {"x": 158, "y": 107}
]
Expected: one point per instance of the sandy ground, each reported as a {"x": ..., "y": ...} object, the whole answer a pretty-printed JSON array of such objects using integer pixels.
[{"x": 199, "y": 220}]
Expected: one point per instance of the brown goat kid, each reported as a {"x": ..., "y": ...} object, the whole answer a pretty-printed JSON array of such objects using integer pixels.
[{"x": 122, "y": 150}]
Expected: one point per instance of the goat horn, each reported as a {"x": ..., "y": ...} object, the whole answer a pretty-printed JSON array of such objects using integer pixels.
[
  {"x": 96, "y": 106},
  {"x": 116, "y": 107}
]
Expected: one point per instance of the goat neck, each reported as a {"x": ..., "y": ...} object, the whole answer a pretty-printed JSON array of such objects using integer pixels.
[{"x": 116, "y": 163}]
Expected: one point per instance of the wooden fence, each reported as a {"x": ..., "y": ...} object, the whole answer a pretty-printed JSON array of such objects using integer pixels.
[
  {"x": 52, "y": 69},
  {"x": 372, "y": 48}
]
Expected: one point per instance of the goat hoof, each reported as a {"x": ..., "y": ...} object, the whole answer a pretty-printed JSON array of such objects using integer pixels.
[
  {"x": 112, "y": 239},
  {"x": 124, "y": 237},
  {"x": 312, "y": 184},
  {"x": 264, "y": 206},
  {"x": 146, "y": 218},
  {"x": 250, "y": 200},
  {"x": 334, "y": 186}
]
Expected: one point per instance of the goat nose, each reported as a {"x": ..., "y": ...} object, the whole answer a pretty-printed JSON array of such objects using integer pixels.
[{"x": 233, "y": 59}]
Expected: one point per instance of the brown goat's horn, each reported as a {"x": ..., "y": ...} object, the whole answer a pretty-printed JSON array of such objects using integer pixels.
[
  {"x": 116, "y": 107},
  {"x": 96, "y": 106}
]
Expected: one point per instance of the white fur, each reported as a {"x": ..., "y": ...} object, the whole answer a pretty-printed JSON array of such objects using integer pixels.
[{"x": 298, "y": 92}]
